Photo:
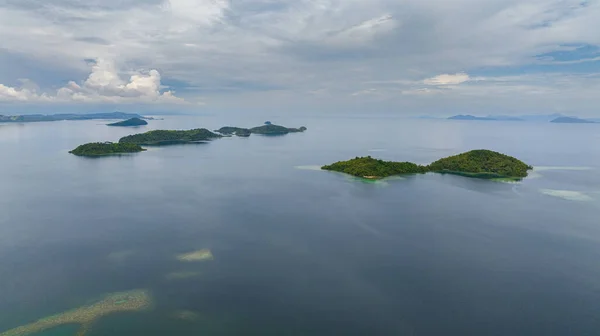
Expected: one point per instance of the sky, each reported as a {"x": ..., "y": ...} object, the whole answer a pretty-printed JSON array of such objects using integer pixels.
[{"x": 406, "y": 57}]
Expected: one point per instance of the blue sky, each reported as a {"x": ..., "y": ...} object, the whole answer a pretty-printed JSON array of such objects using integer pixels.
[{"x": 325, "y": 56}]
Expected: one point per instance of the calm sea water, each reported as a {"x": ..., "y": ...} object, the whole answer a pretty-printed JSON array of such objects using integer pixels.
[{"x": 299, "y": 251}]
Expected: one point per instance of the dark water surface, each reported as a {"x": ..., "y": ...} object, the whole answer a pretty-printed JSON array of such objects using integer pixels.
[{"x": 299, "y": 251}]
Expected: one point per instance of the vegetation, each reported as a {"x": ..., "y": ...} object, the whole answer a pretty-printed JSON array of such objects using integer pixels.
[
  {"x": 271, "y": 129},
  {"x": 266, "y": 129},
  {"x": 476, "y": 163},
  {"x": 369, "y": 167},
  {"x": 228, "y": 130},
  {"x": 105, "y": 148},
  {"x": 163, "y": 137},
  {"x": 130, "y": 122},
  {"x": 482, "y": 163}
]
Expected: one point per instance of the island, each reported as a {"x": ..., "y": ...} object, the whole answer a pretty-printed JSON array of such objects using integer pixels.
[
  {"x": 488, "y": 118},
  {"x": 229, "y": 130},
  {"x": 266, "y": 129},
  {"x": 130, "y": 122},
  {"x": 571, "y": 120},
  {"x": 106, "y": 148},
  {"x": 164, "y": 137},
  {"x": 270, "y": 129},
  {"x": 132, "y": 301},
  {"x": 370, "y": 168},
  {"x": 58, "y": 117},
  {"x": 476, "y": 163}
]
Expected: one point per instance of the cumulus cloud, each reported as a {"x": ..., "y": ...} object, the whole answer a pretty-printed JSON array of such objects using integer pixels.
[
  {"x": 103, "y": 85},
  {"x": 245, "y": 48}
]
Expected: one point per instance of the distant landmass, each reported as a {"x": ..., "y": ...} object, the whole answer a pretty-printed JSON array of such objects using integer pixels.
[
  {"x": 106, "y": 148},
  {"x": 477, "y": 163},
  {"x": 164, "y": 137},
  {"x": 469, "y": 117},
  {"x": 571, "y": 120},
  {"x": 130, "y": 122},
  {"x": 555, "y": 118},
  {"x": 267, "y": 129},
  {"x": 58, "y": 117}
]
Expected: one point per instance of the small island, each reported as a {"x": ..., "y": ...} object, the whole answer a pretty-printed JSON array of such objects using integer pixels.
[
  {"x": 164, "y": 137},
  {"x": 238, "y": 131},
  {"x": 477, "y": 163},
  {"x": 571, "y": 120},
  {"x": 106, "y": 148},
  {"x": 65, "y": 116},
  {"x": 266, "y": 129},
  {"x": 370, "y": 168},
  {"x": 130, "y": 122}
]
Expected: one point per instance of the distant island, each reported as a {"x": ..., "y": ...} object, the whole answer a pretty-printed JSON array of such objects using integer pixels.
[
  {"x": 105, "y": 148},
  {"x": 571, "y": 120},
  {"x": 130, "y": 122},
  {"x": 266, "y": 129},
  {"x": 477, "y": 163},
  {"x": 553, "y": 118},
  {"x": 488, "y": 118},
  {"x": 58, "y": 117},
  {"x": 164, "y": 137}
]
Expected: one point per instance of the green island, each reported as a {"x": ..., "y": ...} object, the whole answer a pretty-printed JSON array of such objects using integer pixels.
[
  {"x": 268, "y": 129},
  {"x": 164, "y": 137},
  {"x": 229, "y": 130},
  {"x": 476, "y": 163},
  {"x": 130, "y": 122},
  {"x": 131, "y": 301},
  {"x": 106, "y": 148}
]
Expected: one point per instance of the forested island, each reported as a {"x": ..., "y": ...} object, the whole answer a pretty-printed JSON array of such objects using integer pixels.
[
  {"x": 267, "y": 129},
  {"x": 65, "y": 116},
  {"x": 477, "y": 163},
  {"x": 132, "y": 143},
  {"x": 164, "y": 137},
  {"x": 106, "y": 148},
  {"x": 130, "y": 122}
]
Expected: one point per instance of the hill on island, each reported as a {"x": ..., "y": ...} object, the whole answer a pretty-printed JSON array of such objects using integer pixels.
[
  {"x": 130, "y": 122},
  {"x": 267, "y": 129},
  {"x": 164, "y": 137},
  {"x": 477, "y": 163},
  {"x": 105, "y": 148}
]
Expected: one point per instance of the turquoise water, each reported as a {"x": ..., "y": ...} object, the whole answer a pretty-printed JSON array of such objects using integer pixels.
[{"x": 298, "y": 251}]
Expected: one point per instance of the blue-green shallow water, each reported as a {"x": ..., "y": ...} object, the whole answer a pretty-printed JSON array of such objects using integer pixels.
[{"x": 297, "y": 251}]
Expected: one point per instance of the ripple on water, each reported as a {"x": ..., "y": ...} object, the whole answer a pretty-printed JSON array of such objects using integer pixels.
[{"x": 569, "y": 195}]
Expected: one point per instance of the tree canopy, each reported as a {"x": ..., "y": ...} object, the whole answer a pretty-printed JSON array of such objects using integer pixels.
[
  {"x": 164, "y": 137},
  {"x": 105, "y": 148},
  {"x": 477, "y": 163}
]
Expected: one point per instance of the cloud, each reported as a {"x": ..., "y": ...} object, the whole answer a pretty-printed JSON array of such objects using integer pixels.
[
  {"x": 234, "y": 53},
  {"x": 103, "y": 85},
  {"x": 447, "y": 79}
]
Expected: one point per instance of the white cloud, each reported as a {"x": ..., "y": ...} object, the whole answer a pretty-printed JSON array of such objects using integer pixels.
[
  {"x": 247, "y": 51},
  {"x": 103, "y": 85},
  {"x": 447, "y": 79}
]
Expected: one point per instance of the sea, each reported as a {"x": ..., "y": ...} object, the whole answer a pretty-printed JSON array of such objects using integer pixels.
[{"x": 297, "y": 250}]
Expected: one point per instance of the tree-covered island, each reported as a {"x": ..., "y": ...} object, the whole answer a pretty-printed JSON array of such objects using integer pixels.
[
  {"x": 164, "y": 137},
  {"x": 477, "y": 163},
  {"x": 130, "y": 122},
  {"x": 267, "y": 129},
  {"x": 106, "y": 148}
]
